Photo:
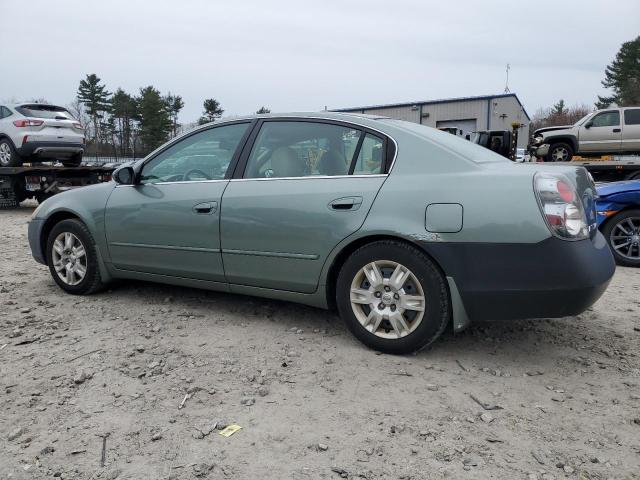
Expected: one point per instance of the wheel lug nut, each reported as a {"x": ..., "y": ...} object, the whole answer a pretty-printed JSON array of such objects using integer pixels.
[
  {"x": 396, "y": 296},
  {"x": 387, "y": 288},
  {"x": 393, "y": 308},
  {"x": 378, "y": 294},
  {"x": 381, "y": 306}
]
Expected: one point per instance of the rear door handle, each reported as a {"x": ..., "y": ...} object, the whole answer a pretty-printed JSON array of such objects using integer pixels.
[
  {"x": 616, "y": 130},
  {"x": 346, "y": 203},
  {"x": 205, "y": 208}
]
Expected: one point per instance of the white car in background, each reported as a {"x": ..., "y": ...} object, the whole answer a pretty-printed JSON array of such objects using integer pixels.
[{"x": 35, "y": 132}]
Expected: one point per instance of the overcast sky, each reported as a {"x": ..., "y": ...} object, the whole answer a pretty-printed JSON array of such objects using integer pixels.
[{"x": 296, "y": 55}]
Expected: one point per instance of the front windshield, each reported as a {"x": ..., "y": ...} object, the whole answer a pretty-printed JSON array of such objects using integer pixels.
[{"x": 579, "y": 122}]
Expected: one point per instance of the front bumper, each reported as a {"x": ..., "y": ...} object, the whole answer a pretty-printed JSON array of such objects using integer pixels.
[
  {"x": 35, "y": 235},
  {"x": 550, "y": 279},
  {"x": 539, "y": 151},
  {"x": 50, "y": 149}
]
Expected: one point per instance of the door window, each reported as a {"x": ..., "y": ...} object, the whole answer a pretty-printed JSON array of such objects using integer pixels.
[
  {"x": 370, "y": 160},
  {"x": 606, "y": 119},
  {"x": 302, "y": 149},
  {"x": 203, "y": 156},
  {"x": 632, "y": 116}
]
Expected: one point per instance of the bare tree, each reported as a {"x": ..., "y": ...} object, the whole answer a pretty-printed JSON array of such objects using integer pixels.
[{"x": 558, "y": 115}]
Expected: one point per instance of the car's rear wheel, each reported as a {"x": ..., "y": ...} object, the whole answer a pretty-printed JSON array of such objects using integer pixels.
[
  {"x": 8, "y": 155},
  {"x": 72, "y": 258},
  {"x": 393, "y": 297},
  {"x": 622, "y": 232},
  {"x": 560, "y": 152}
]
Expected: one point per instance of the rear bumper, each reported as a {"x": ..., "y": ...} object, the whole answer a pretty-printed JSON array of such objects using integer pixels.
[
  {"x": 550, "y": 279},
  {"x": 50, "y": 149},
  {"x": 34, "y": 234}
]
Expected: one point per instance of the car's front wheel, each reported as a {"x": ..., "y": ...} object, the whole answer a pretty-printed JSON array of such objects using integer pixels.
[
  {"x": 72, "y": 258},
  {"x": 560, "y": 152},
  {"x": 622, "y": 232},
  {"x": 393, "y": 297},
  {"x": 8, "y": 155}
]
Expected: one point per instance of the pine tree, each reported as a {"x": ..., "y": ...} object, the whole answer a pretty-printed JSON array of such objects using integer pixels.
[
  {"x": 174, "y": 105},
  {"x": 559, "y": 108},
  {"x": 623, "y": 77},
  {"x": 263, "y": 110},
  {"x": 212, "y": 111},
  {"x": 95, "y": 98},
  {"x": 124, "y": 112},
  {"x": 153, "y": 115}
]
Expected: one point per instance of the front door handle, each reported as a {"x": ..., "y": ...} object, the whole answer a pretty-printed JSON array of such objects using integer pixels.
[
  {"x": 205, "y": 208},
  {"x": 616, "y": 130},
  {"x": 346, "y": 203}
]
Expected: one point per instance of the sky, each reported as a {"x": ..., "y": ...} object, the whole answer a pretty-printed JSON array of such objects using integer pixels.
[{"x": 298, "y": 55}]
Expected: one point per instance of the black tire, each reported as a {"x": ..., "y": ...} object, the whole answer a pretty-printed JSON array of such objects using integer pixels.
[
  {"x": 6, "y": 148},
  {"x": 74, "y": 161},
  {"x": 437, "y": 311},
  {"x": 92, "y": 282},
  {"x": 609, "y": 229},
  {"x": 556, "y": 149}
]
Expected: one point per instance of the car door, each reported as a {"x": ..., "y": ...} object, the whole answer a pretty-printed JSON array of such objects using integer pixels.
[
  {"x": 301, "y": 188},
  {"x": 602, "y": 133},
  {"x": 631, "y": 130},
  {"x": 168, "y": 222}
]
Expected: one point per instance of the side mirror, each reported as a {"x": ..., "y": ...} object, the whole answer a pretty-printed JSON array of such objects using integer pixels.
[
  {"x": 588, "y": 125},
  {"x": 124, "y": 176}
]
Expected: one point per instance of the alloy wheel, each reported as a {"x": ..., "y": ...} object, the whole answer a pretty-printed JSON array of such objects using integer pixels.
[
  {"x": 559, "y": 154},
  {"x": 5, "y": 153},
  {"x": 69, "y": 258},
  {"x": 625, "y": 238},
  {"x": 387, "y": 299}
]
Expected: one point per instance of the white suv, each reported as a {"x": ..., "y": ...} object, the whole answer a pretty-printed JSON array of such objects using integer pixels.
[{"x": 35, "y": 132}]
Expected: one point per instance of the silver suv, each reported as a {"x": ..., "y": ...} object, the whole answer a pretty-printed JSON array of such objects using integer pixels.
[
  {"x": 610, "y": 131},
  {"x": 34, "y": 132}
]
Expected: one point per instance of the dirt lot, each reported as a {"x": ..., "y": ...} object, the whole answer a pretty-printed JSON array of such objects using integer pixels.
[{"x": 540, "y": 399}]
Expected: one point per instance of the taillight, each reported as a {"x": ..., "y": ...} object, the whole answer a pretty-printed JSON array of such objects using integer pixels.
[
  {"x": 562, "y": 209},
  {"x": 29, "y": 122},
  {"x": 77, "y": 125}
]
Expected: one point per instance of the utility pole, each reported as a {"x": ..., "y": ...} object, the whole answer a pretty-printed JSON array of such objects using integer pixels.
[{"x": 506, "y": 85}]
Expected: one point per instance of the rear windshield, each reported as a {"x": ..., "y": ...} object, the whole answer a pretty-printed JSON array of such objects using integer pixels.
[
  {"x": 45, "y": 111},
  {"x": 463, "y": 147}
]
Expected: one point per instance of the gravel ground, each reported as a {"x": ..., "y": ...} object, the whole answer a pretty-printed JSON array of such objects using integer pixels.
[{"x": 532, "y": 399}]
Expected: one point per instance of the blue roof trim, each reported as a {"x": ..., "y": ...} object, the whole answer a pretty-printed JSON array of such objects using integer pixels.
[{"x": 433, "y": 102}]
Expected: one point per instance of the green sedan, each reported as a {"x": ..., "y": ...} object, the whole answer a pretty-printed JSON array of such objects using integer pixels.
[{"x": 402, "y": 228}]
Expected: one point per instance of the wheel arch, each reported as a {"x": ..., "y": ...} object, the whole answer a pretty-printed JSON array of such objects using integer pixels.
[
  {"x": 347, "y": 249},
  {"x": 51, "y": 221},
  {"x": 570, "y": 139},
  {"x": 607, "y": 221}
]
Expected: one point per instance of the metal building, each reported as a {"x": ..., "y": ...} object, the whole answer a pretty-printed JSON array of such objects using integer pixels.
[{"x": 468, "y": 114}]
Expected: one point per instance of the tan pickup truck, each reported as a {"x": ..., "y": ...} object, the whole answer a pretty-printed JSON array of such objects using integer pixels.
[{"x": 609, "y": 131}]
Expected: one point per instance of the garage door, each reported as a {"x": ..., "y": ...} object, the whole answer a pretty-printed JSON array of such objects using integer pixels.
[{"x": 467, "y": 126}]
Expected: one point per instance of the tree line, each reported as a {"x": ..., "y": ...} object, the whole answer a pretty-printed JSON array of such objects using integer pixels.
[{"x": 124, "y": 125}]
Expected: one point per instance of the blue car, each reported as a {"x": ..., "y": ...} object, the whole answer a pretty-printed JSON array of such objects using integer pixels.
[{"x": 618, "y": 215}]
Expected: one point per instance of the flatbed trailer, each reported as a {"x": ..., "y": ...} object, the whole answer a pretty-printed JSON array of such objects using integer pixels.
[
  {"x": 42, "y": 181},
  {"x": 608, "y": 170}
]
